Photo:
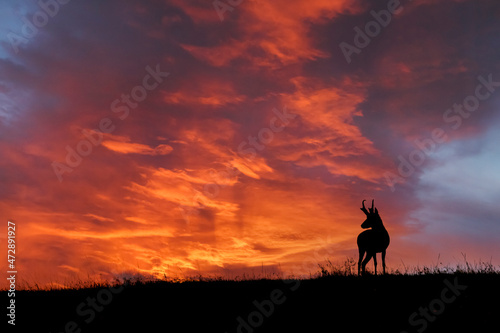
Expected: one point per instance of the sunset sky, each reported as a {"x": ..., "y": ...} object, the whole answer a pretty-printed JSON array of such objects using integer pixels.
[{"x": 182, "y": 137}]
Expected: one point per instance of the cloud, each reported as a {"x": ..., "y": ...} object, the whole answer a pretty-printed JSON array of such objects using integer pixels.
[
  {"x": 136, "y": 148},
  {"x": 329, "y": 136},
  {"x": 273, "y": 34},
  {"x": 208, "y": 91},
  {"x": 251, "y": 168}
]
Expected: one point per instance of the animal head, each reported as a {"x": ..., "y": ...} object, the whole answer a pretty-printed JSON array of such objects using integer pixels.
[{"x": 373, "y": 219}]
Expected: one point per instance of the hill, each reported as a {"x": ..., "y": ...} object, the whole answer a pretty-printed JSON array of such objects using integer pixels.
[{"x": 391, "y": 303}]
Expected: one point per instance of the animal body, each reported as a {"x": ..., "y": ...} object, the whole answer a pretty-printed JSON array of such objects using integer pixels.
[{"x": 372, "y": 241}]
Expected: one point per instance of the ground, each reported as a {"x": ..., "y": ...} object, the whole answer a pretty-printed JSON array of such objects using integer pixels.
[{"x": 391, "y": 303}]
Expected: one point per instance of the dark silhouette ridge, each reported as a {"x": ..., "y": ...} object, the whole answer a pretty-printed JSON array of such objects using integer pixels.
[
  {"x": 372, "y": 241},
  {"x": 386, "y": 302}
]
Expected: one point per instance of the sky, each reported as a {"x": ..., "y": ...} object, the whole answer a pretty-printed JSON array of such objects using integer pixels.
[{"x": 175, "y": 138}]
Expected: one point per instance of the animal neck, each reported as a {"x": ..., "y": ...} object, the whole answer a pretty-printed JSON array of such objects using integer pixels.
[{"x": 378, "y": 227}]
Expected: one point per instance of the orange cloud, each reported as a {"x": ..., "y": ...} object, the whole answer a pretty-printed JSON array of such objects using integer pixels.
[
  {"x": 123, "y": 146},
  {"x": 273, "y": 33},
  {"x": 330, "y": 137},
  {"x": 210, "y": 92},
  {"x": 251, "y": 168}
]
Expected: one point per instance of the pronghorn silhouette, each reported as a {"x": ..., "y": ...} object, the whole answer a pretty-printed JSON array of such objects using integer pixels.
[{"x": 372, "y": 241}]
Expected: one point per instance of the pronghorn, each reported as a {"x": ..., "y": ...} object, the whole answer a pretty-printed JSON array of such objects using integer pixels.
[{"x": 372, "y": 241}]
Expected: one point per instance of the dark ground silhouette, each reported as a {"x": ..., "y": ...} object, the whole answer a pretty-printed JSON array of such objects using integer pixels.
[{"x": 329, "y": 304}]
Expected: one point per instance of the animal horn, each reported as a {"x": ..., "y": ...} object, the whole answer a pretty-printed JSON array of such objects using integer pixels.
[
  {"x": 364, "y": 208},
  {"x": 373, "y": 200}
]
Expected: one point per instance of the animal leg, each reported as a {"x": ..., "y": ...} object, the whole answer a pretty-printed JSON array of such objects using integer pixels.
[
  {"x": 383, "y": 261},
  {"x": 367, "y": 259},
  {"x": 361, "y": 255},
  {"x": 375, "y": 262}
]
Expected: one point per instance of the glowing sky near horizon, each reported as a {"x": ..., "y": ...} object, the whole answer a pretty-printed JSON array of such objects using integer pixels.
[{"x": 206, "y": 175}]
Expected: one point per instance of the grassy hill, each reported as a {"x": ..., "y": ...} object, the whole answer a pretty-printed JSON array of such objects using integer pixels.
[{"x": 392, "y": 303}]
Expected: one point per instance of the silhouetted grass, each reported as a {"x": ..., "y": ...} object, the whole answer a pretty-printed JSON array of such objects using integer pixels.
[
  {"x": 349, "y": 268},
  {"x": 328, "y": 268}
]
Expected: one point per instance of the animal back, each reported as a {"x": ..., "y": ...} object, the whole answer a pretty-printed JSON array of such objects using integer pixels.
[{"x": 374, "y": 241}]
